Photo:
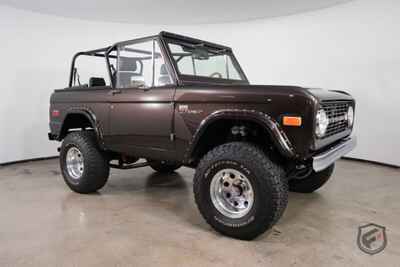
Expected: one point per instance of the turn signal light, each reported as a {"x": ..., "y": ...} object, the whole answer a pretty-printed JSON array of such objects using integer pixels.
[{"x": 291, "y": 121}]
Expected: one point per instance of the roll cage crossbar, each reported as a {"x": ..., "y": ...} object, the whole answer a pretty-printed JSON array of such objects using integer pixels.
[
  {"x": 163, "y": 37},
  {"x": 101, "y": 52}
]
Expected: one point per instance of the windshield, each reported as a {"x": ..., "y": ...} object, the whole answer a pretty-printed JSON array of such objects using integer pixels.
[{"x": 204, "y": 61}]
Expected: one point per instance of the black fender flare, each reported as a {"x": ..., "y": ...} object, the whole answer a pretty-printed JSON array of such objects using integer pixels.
[
  {"x": 91, "y": 116},
  {"x": 278, "y": 136}
]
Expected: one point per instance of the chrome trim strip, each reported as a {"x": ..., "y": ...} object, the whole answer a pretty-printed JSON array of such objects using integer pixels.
[{"x": 323, "y": 160}]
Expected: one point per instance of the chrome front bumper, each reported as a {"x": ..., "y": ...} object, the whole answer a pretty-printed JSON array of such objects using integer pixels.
[{"x": 323, "y": 160}]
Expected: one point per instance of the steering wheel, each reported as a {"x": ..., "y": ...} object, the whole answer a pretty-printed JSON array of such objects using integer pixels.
[{"x": 216, "y": 75}]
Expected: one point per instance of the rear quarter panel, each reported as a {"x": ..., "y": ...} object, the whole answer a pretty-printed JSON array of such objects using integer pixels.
[{"x": 93, "y": 101}]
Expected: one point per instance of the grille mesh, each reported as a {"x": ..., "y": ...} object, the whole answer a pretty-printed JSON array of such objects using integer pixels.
[{"x": 337, "y": 114}]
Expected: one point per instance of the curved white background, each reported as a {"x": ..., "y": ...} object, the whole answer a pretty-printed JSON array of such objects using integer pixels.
[{"x": 353, "y": 46}]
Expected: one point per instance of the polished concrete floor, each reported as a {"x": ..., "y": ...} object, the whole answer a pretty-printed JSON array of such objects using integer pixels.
[{"x": 141, "y": 218}]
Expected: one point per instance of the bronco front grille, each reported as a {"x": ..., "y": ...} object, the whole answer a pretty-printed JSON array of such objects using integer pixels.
[{"x": 337, "y": 114}]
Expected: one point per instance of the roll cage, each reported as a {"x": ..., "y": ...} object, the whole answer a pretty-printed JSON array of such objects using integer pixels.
[{"x": 163, "y": 37}]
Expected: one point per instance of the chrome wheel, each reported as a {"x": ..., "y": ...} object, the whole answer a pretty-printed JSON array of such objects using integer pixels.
[
  {"x": 231, "y": 193},
  {"x": 74, "y": 162}
]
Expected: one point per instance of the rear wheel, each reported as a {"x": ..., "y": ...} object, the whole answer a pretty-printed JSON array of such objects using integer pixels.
[
  {"x": 313, "y": 182},
  {"x": 84, "y": 168},
  {"x": 164, "y": 166},
  {"x": 239, "y": 191}
]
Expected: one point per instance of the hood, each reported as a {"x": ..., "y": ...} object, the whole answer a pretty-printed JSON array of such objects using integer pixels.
[
  {"x": 261, "y": 93},
  {"x": 322, "y": 94}
]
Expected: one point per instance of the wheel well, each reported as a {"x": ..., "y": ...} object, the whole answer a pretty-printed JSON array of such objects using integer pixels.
[
  {"x": 229, "y": 130},
  {"x": 75, "y": 121}
]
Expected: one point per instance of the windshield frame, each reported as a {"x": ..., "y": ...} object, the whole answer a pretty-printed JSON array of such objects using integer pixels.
[{"x": 168, "y": 38}]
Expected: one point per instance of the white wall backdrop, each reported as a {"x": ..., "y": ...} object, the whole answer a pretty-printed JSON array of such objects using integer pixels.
[{"x": 352, "y": 46}]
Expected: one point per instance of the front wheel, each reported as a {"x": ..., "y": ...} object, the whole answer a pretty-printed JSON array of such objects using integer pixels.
[
  {"x": 84, "y": 168},
  {"x": 313, "y": 182},
  {"x": 239, "y": 191}
]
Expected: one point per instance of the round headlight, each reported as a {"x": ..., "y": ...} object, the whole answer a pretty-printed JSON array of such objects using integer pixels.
[
  {"x": 322, "y": 122},
  {"x": 350, "y": 116}
]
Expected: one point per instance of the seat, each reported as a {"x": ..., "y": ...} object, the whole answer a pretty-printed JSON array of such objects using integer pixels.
[
  {"x": 96, "y": 81},
  {"x": 127, "y": 73},
  {"x": 164, "y": 78}
]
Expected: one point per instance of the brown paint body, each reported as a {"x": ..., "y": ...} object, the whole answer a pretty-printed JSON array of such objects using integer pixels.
[{"x": 140, "y": 122}]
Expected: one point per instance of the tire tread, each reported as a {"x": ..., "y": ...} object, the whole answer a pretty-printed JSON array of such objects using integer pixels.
[
  {"x": 96, "y": 166},
  {"x": 276, "y": 178}
]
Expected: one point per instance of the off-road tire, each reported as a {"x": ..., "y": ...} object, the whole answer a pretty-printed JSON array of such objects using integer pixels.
[
  {"x": 313, "y": 182},
  {"x": 267, "y": 179},
  {"x": 96, "y": 169},
  {"x": 164, "y": 166}
]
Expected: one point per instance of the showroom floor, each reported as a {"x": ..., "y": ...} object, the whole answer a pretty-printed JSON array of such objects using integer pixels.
[{"x": 142, "y": 218}]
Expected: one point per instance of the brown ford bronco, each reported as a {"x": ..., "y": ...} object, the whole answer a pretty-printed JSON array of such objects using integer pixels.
[{"x": 178, "y": 101}]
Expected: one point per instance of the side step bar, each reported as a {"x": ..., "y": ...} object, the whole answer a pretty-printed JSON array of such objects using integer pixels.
[{"x": 129, "y": 166}]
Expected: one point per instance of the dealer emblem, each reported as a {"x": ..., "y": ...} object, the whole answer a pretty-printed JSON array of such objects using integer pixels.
[{"x": 371, "y": 238}]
